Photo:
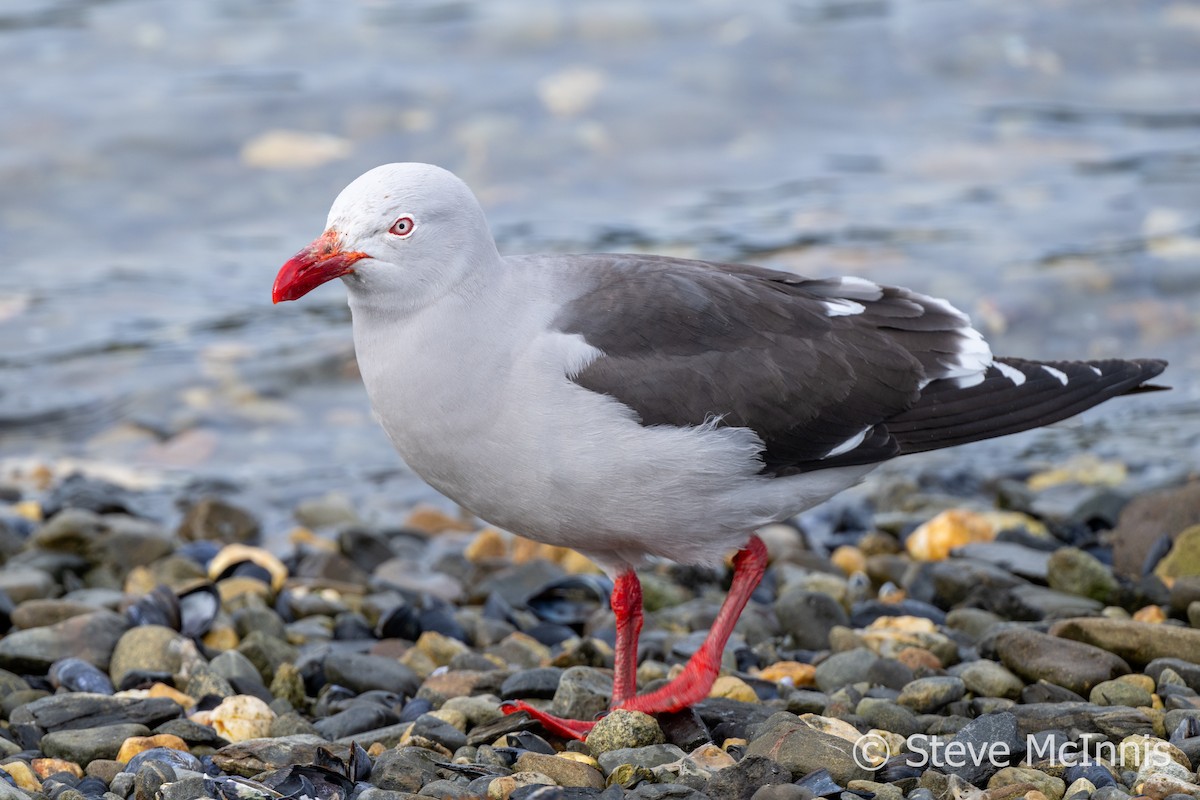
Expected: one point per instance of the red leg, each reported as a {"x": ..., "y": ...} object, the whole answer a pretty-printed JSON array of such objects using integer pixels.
[
  {"x": 627, "y": 605},
  {"x": 694, "y": 683}
]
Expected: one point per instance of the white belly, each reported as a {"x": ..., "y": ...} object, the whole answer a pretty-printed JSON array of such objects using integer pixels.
[{"x": 511, "y": 438}]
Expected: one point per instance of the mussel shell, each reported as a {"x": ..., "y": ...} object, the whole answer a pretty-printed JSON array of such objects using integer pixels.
[
  {"x": 198, "y": 608},
  {"x": 528, "y": 740},
  {"x": 77, "y": 675},
  {"x": 571, "y": 600},
  {"x": 159, "y": 606},
  {"x": 234, "y": 788},
  {"x": 820, "y": 784}
]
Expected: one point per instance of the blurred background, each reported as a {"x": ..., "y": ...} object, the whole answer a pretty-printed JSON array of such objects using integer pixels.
[{"x": 1038, "y": 164}]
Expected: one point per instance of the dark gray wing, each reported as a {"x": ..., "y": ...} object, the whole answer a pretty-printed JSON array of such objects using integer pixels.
[
  {"x": 809, "y": 365},
  {"x": 828, "y": 372}
]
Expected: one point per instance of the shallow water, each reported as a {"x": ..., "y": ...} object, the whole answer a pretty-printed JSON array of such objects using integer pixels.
[{"x": 1037, "y": 164}]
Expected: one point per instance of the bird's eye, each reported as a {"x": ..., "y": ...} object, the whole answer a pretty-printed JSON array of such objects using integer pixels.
[{"x": 402, "y": 227}]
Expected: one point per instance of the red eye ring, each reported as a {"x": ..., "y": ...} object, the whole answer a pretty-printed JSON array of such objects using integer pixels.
[{"x": 403, "y": 227}]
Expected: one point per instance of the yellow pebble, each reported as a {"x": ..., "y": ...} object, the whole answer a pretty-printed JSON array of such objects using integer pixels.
[
  {"x": 934, "y": 540},
  {"x": 849, "y": 559},
  {"x": 162, "y": 690},
  {"x": 430, "y": 520},
  {"x": 29, "y": 509},
  {"x": 22, "y": 775},
  {"x": 796, "y": 672},
  {"x": 140, "y": 744},
  {"x": 734, "y": 688},
  {"x": 1153, "y": 614},
  {"x": 488, "y": 544}
]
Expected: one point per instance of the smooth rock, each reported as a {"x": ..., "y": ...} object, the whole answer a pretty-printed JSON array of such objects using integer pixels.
[
  {"x": 802, "y": 749},
  {"x": 149, "y": 648},
  {"x": 623, "y": 728},
  {"x": 1077, "y": 572},
  {"x": 985, "y": 678},
  {"x": 808, "y": 617},
  {"x": 842, "y": 669},
  {"x": 744, "y": 780},
  {"x": 994, "y": 734},
  {"x": 926, "y": 695},
  {"x": 360, "y": 673},
  {"x": 91, "y": 637},
  {"x": 582, "y": 693},
  {"x": 1048, "y": 785},
  {"x": 563, "y": 771},
  {"x": 213, "y": 519},
  {"x": 84, "y": 745},
  {"x": 1074, "y": 665},
  {"x": 1136, "y": 642}
]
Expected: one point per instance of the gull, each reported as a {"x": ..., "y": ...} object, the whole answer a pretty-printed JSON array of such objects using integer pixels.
[{"x": 636, "y": 406}]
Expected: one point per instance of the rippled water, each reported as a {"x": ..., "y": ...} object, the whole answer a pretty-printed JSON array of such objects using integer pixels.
[{"x": 1036, "y": 163}]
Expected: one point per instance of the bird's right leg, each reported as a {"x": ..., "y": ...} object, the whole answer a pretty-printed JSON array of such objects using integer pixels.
[{"x": 626, "y": 601}]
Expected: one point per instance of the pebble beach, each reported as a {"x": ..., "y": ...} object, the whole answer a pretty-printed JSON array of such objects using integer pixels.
[{"x": 930, "y": 635}]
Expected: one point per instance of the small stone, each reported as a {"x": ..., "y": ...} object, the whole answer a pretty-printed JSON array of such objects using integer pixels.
[
  {"x": 1184, "y": 556},
  {"x": 1119, "y": 693},
  {"x": 23, "y": 775},
  {"x": 733, "y": 688},
  {"x": 648, "y": 756},
  {"x": 792, "y": 673},
  {"x": 288, "y": 684},
  {"x": 139, "y": 744},
  {"x": 146, "y": 648},
  {"x": 802, "y": 748},
  {"x": 430, "y": 520},
  {"x": 440, "y": 649},
  {"x": 1048, "y": 785},
  {"x": 361, "y": 672},
  {"x": 624, "y": 728},
  {"x": 934, "y": 540},
  {"x": 91, "y": 637},
  {"x": 927, "y": 695},
  {"x": 215, "y": 520},
  {"x": 985, "y": 678},
  {"x": 843, "y": 669},
  {"x": 986, "y": 734},
  {"x": 1136, "y": 642},
  {"x": 563, "y": 771},
  {"x": 39, "y": 612},
  {"x": 45, "y": 767},
  {"x": 1154, "y": 615},
  {"x": 1074, "y": 665},
  {"x": 848, "y": 559},
  {"x": 489, "y": 544},
  {"x": 84, "y": 745},
  {"x": 807, "y": 617},
  {"x": 242, "y": 717},
  {"x": 266, "y": 653},
  {"x": 205, "y": 682},
  {"x": 744, "y": 779},
  {"x": 502, "y": 788},
  {"x": 582, "y": 693},
  {"x": 1078, "y": 572}
]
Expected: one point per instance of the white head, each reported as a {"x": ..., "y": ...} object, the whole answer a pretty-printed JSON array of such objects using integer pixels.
[{"x": 399, "y": 235}]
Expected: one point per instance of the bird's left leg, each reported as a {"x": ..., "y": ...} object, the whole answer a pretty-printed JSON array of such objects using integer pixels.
[{"x": 694, "y": 683}]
